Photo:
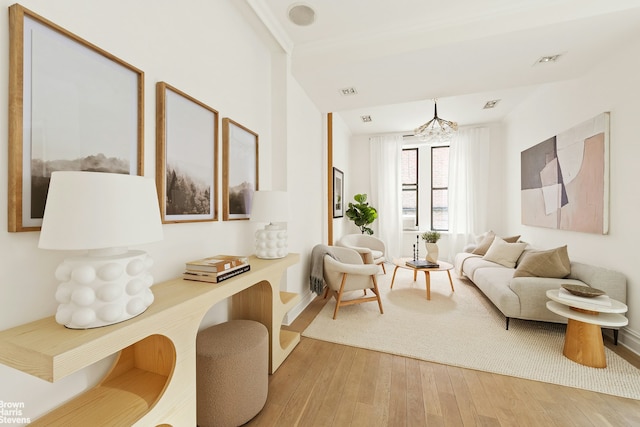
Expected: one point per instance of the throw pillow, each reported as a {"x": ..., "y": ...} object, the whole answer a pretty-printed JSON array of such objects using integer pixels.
[
  {"x": 550, "y": 263},
  {"x": 486, "y": 242},
  {"x": 504, "y": 253}
]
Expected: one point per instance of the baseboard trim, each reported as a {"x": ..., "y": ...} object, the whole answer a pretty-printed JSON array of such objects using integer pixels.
[
  {"x": 630, "y": 339},
  {"x": 298, "y": 308}
]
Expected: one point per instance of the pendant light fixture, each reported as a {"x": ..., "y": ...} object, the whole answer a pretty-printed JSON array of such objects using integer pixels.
[{"x": 436, "y": 129}]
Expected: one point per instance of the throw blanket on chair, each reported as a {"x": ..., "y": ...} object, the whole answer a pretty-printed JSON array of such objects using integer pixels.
[{"x": 316, "y": 278}]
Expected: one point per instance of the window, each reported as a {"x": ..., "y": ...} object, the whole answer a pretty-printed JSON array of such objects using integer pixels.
[
  {"x": 425, "y": 167},
  {"x": 440, "y": 188},
  {"x": 410, "y": 187}
]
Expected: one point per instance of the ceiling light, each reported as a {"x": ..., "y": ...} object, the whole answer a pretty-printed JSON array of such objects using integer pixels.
[
  {"x": 491, "y": 104},
  {"x": 436, "y": 129},
  {"x": 301, "y": 14},
  {"x": 348, "y": 91},
  {"x": 547, "y": 59},
  {"x": 366, "y": 119}
]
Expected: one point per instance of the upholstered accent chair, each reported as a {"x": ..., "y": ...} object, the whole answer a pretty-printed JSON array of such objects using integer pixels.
[
  {"x": 371, "y": 249},
  {"x": 347, "y": 272}
]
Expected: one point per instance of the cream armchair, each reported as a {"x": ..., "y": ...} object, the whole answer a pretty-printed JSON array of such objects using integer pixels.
[
  {"x": 370, "y": 248},
  {"x": 349, "y": 274}
]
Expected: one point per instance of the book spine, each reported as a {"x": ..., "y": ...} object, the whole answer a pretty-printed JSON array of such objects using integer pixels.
[{"x": 230, "y": 274}]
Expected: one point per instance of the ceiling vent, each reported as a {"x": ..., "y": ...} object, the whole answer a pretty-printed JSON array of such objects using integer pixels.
[
  {"x": 366, "y": 119},
  {"x": 348, "y": 91}
]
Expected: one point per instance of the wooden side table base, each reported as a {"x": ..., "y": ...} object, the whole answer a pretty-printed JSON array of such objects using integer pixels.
[{"x": 583, "y": 344}]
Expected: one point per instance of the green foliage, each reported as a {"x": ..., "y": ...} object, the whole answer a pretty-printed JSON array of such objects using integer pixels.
[
  {"x": 361, "y": 213},
  {"x": 431, "y": 236}
]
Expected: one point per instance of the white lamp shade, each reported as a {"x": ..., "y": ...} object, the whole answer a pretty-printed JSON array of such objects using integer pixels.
[
  {"x": 94, "y": 210},
  {"x": 270, "y": 206}
]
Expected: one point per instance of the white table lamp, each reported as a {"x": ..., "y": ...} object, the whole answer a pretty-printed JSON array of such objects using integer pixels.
[
  {"x": 102, "y": 214},
  {"x": 271, "y": 207}
]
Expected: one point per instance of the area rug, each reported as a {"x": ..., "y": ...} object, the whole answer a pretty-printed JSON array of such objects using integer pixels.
[{"x": 464, "y": 329}]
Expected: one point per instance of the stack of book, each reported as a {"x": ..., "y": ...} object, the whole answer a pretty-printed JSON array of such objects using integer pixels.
[
  {"x": 421, "y": 263},
  {"x": 216, "y": 269}
]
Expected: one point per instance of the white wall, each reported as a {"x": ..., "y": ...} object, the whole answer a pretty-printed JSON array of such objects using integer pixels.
[
  {"x": 613, "y": 87},
  {"x": 207, "y": 50},
  {"x": 343, "y": 154},
  {"x": 306, "y": 184}
]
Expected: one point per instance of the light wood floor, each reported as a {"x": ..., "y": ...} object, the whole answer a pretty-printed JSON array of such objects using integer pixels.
[{"x": 325, "y": 384}]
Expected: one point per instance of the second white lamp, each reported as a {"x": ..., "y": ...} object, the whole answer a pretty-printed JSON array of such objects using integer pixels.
[{"x": 271, "y": 207}]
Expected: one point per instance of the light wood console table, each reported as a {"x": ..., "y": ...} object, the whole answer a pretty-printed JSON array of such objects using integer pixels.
[{"x": 153, "y": 381}]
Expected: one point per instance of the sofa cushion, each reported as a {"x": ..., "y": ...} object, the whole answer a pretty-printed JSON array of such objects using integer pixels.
[
  {"x": 484, "y": 245},
  {"x": 552, "y": 263},
  {"x": 474, "y": 263},
  {"x": 504, "y": 253}
]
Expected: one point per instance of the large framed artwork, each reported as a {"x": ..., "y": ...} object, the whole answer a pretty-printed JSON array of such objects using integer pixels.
[
  {"x": 338, "y": 193},
  {"x": 186, "y": 157},
  {"x": 239, "y": 170},
  {"x": 72, "y": 106},
  {"x": 565, "y": 179}
]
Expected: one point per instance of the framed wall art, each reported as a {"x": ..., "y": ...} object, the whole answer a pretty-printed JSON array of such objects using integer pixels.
[
  {"x": 186, "y": 157},
  {"x": 239, "y": 170},
  {"x": 338, "y": 193},
  {"x": 72, "y": 106},
  {"x": 565, "y": 179}
]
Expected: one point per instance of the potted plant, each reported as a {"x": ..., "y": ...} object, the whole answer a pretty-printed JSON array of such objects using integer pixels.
[
  {"x": 430, "y": 241},
  {"x": 361, "y": 213}
]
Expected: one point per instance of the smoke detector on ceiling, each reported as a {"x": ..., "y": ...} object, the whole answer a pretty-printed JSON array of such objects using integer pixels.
[{"x": 301, "y": 14}]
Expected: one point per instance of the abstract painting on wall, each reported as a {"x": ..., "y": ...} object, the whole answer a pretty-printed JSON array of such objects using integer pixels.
[{"x": 565, "y": 179}]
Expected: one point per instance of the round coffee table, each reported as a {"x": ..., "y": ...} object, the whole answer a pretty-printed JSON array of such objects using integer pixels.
[
  {"x": 583, "y": 340},
  {"x": 442, "y": 266}
]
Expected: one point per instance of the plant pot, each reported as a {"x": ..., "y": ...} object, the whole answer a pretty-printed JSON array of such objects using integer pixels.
[{"x": 432, "y": 252}]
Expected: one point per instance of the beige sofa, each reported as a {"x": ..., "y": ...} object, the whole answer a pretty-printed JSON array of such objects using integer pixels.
[{"x": 525, "y": 297}]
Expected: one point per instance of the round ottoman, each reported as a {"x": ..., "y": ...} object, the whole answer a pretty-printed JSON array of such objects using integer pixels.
[{"x": 232, "y": 364}]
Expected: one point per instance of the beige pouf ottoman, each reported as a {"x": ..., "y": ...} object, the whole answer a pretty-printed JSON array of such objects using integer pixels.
[{"x": 232, "y": 364}]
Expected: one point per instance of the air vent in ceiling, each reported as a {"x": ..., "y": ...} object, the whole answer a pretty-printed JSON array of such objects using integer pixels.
[{"x": 348, "y": 91}]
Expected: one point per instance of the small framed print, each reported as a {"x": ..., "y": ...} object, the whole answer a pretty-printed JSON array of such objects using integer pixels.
[
  {"x": 186, "y": 157},
  {"x": 239, "y": 170},
  {"x": 338, "y": 193}
]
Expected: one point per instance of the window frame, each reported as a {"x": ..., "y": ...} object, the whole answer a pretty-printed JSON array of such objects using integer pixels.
[{"x": 434, "y": 189}]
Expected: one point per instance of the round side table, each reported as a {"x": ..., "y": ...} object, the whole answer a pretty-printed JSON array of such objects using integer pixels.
[{"x": 583, "y": 340}]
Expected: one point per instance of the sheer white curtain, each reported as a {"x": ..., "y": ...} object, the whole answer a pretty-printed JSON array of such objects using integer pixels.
[
  {"x": 386, "y": 183},
  {"x": 468, "y": 186}
]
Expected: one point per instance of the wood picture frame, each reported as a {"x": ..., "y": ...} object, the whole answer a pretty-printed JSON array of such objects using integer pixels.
[
  {"x": 186, "y": 157},
  {"x": 239, "y": 170},
  {"x": 72, "y": 106},
  {"x": 338, "y": 193}
]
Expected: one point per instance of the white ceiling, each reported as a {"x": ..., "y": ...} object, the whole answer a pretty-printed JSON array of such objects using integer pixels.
[{"x": 400, "y": 54}]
